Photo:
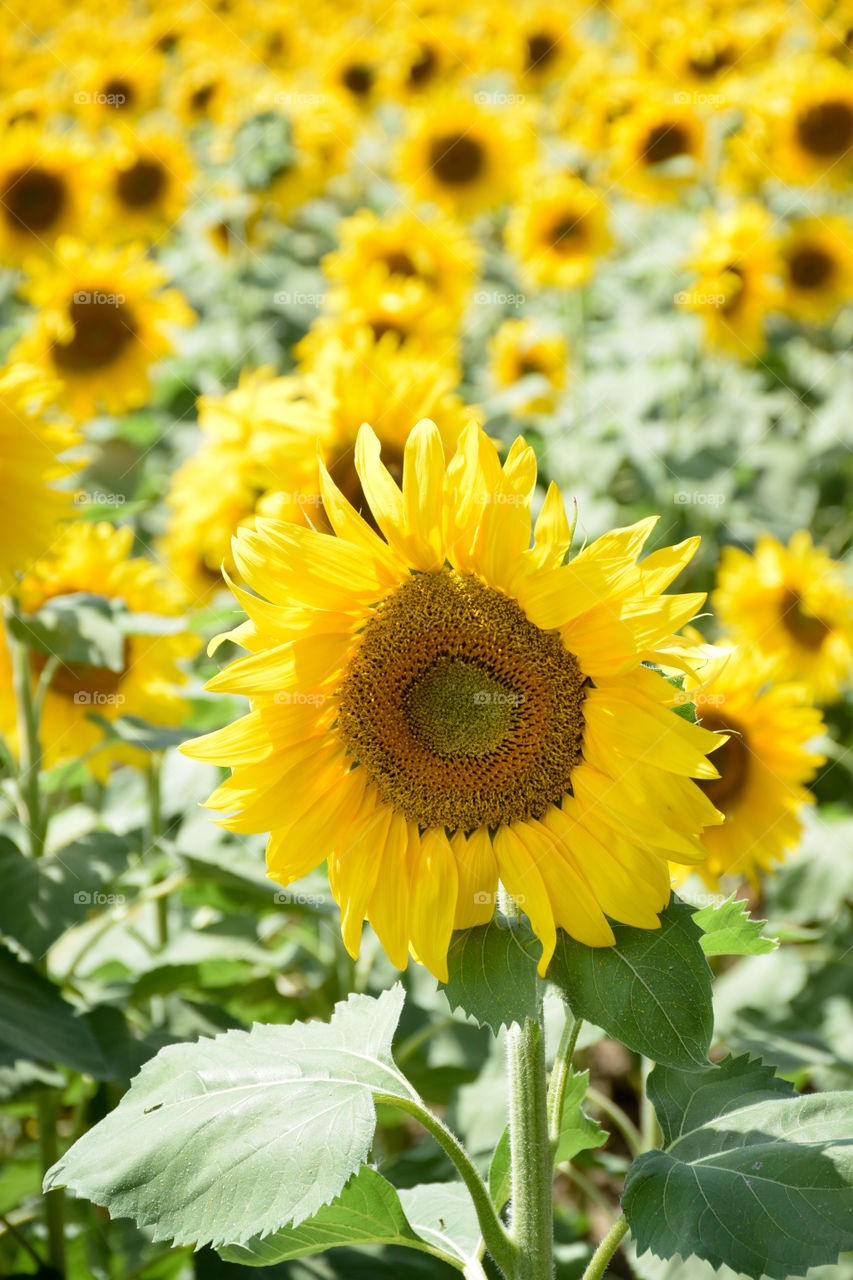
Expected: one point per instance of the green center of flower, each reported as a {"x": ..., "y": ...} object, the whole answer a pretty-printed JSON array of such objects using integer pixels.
[
  {"x": 463, "y": 712},
  {"x": 731, "y": 761}
]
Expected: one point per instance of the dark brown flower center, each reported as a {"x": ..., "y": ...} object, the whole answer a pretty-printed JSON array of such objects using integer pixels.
[
  {"x": 142, "y": 184},
  {"x": 400, "y": 264},
  {"x": 541, "y": 49},
  {"x": 359, "y": 79},
  {"x": 566, "y": 232},
  {"x": 423, "y": 68},
  {"x": 33, "y": 199},
  {"x": 201, "y": 98},
  {"x": 457, "y": 159},
  {"x": 810, "y": 267},
  {"x": 665, "y": 142},
  {"x": 806, "y": 628},
  {"x": 103, "y": 326},
  {"x": 731, "y": 761},
  {"x": 119, "y": 93},
  {"x": 463, "y": 713},
  {"x": 708, "y": 62},
  {"x": 826, "y": 129}
]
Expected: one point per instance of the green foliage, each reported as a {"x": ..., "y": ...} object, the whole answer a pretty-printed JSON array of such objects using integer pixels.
[
  {"x": 652, "y": 990},
  {"x": 492, "y": 972},
  {"x": 729, "y": 930}
]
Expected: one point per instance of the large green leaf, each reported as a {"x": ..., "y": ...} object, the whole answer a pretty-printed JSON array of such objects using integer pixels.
[
  {"x": 36, "y": 1023},
  {"x": 43, "y": 897},
  {"x": 728, "y": 930},
  {"x": 652, "y": 990},
  {"x": 578, "y": 1132},
  {"x": 492, "y": 972},
  {"x": 78, "y": 628},
  {"x": 437, "y": 1218},
  {"x": 234, "y": 1137},
  {"x": 763, "y": 1184}
]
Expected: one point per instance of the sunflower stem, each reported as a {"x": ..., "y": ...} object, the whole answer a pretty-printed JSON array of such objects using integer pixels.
[
  {"x": 531, "y": 1160},
  {"x": 560, "y": 1076},
  {"x": 597, "y": 1268},
  {"x": 29, "y": 746},
  {"x": 54, "y": 1201}
]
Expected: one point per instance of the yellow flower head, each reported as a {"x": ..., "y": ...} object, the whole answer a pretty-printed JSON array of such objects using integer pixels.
[
  {"x": 446, "y": 705},
  {"x": 144, "y": 182},
  {"x": 102, "y": 319},
  {"x": 811, "y": 131},
  {"x": 817, "y": 267},
  {"x": 658, "y": 147},
  {"x": 559, "y": 232},
  {"x": 45, "y": 183},
  {"x": 95, "y": 558},
  {"x": 790, "y": 603},
  {"x": 31, "y": 461},
  {"x": 764, "y": 764},
  {"x": 523, "y": 347}
]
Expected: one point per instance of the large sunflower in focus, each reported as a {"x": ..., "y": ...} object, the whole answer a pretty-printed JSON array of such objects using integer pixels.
[
  {"x": 103, "y": 318},
  {"x": 463, "y": 155},
  {"x": 447, "y": 706},
  {"x": 31, "y": 461},
  {"x": 764, "y": 764},
  {"x": 559, "y": 232},
  {"x": 790, "y": 604},
  {"x": 95, "y": 558}
]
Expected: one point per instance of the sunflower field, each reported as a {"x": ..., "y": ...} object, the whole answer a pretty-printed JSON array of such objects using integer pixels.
[{"x": 426, "y": 671}]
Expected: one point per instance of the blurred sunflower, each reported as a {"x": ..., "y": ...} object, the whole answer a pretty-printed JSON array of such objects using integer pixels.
[
  {"x": 31, "y": 461},
  {"x": 462, "y": 155},
  {"x": 817, "y": 267},
  {"x": 45, "y": 183},
  {"x": 813, "y": 118},
  {"x": 145, "y": 183},
  {"x": 793, "y": 605},
  {"x": 103, "y": 318},
  {"x": 522, "y": 348},
  {"x": 355, "y": 65},
  {"x": 658, "y": 148},
  {"x": 737, "y": 264},
  {"x": 559, "y": 232},
  {"x": 251, "y": 461},
  {"x": 539, "y": 44},
  {"x": 432, "y": 54},
  {"x": 95, "y": 558},
  {"x": 448, "y": 706},
  {"x": 420, "y": 261},
  {"x": 418, "y": 325},
  {"x": 764, "y": 764},
  {"x": 123, "y": 81}
]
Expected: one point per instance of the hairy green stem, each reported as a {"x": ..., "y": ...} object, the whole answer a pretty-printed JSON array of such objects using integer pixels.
[
  {"x": 597, "y": 1268},
  {"x": 496, "y": 1239},
  {"x": 531, "y": 1160},
  {"x": 560, "y": 1075},
  {"x": 29, "y": 747}
]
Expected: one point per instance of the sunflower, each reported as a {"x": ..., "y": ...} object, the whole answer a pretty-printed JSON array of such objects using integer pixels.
[
  {"x": 764, "y": 764},
  {"x": 791, "y": 604},
  {"x": 463, "y": 155},
  {"x": 433, "y": 54},
  {"x": 817, "y": 267},
  {"x": 523, "y": 347},
  {"x": 31, "y": 461},
  {"x": 658, "y": 148},
  {"x": 559, "y": 232},
  {"x": 251, "y": 461},
  {"x": 737, "y": 264},
  {"x": 102, "y": 321},
  {"x": 420, "y": 328},
  {"x": 420, "y": 261},
  {"x": 812, "y": 119},
  {"x": 123, "y": 82},
  {"x": 541, "y": 45},
  {"x": 95, "y": 558},
  {"x": 447, "y": 706},
  {"x": 145, "y": 184},
  {"x": 45, "y": 182}
]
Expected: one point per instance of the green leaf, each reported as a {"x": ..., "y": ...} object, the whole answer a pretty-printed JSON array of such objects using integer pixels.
[
  {"x": 43, "y": 897},
  {"x": 764, "y": 1186},
  {"x": 578, "y": 1132},
  {"x": 78, "y": 628},
  {"x": 684, "y": 1100},
  {"x": 137, "y": 732},
  {"x": 36, "y": 1023},
  {"x": 492, "y": 972},
  {"x": 729, "y": 930},
  {"x": 438, "y": 1219},
  {"x": 652, "y": 990},
  {"x": 237, "y": 1136}
]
